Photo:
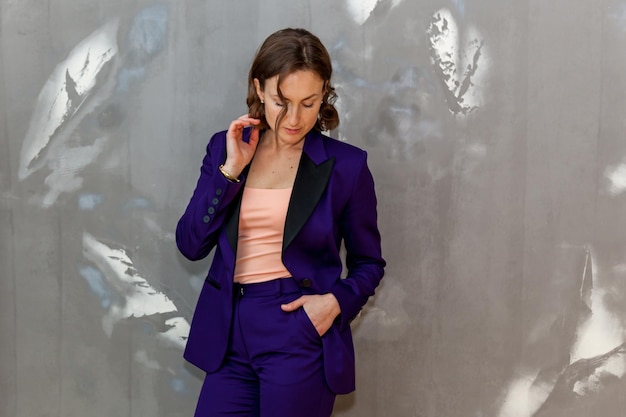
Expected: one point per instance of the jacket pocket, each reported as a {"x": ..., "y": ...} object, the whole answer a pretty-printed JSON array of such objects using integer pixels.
[{"x": 307, "y": 325}]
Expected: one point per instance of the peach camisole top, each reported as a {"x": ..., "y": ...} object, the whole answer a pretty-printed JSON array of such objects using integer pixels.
[{"x": 261, "y": 226}]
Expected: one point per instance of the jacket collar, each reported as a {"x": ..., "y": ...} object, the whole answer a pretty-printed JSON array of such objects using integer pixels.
[
  {"x": 314, "y": 147},
  {"x": 312, "y": 178}
]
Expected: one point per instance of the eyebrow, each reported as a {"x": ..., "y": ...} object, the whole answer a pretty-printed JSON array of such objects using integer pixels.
[{"x": 275, "y": 96}]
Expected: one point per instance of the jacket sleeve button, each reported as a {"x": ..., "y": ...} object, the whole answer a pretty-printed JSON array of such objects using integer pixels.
[
  {"x": 211, "y": 210},
  {"x": 206, "y": 219},
  {"x": 215, "y": 201}
]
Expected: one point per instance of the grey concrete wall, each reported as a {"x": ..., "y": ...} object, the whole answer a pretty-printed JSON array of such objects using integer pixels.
[{"x": 496, "y": 135}]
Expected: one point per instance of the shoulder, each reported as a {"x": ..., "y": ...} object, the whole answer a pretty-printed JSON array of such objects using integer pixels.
[{"x": 342, "y": 150}]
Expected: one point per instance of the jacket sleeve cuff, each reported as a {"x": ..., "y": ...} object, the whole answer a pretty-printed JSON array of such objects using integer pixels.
[{"x": 348, "y": 303}]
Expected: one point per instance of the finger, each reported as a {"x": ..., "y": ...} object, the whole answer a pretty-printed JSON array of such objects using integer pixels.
[
  {"x": 239, "y": 124},
  {"x": 250, "y": 120},
  {"x": 294, "y": 305},
  {"x": 254, "y": 137}
]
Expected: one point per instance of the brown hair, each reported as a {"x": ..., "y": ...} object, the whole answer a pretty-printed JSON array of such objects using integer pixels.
[{"x": 283, "y": 53}]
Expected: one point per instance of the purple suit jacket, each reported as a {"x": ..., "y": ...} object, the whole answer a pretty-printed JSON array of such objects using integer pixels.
[{"x": 333, "y": 200}]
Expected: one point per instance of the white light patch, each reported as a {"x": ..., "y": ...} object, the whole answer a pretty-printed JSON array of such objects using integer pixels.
[
  {"x": 177, "y": 333},
  {"x": 139, "y": 297},
  {"x": 615, "y": 366},
  {"x": 360, "y": 10},
  {"x": 524, "y": 397},
  {"x": 65, "y": 91},
  {"x": 600, "y": 333},
  {"x": 456, "y": 55},
  {"x": 617, "y": 179}
]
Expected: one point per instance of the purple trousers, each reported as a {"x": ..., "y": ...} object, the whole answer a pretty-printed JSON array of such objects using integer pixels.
[{"x": 274, "y": 365}]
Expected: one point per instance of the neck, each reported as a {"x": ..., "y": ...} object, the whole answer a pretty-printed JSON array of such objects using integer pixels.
[{"x": 270, "y": 141}]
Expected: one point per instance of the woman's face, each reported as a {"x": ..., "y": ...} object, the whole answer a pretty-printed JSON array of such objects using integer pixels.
[{"x": 303, "y": 93}]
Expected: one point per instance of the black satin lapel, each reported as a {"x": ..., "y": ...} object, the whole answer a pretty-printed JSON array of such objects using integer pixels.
[
  {"x": 232, "y": 224},
  {"x": 232, "y": 221},
  {"x": 310, "y": 183}
]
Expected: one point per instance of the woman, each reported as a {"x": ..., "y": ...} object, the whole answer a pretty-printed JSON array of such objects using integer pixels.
[{"x": 276, "y": 198}]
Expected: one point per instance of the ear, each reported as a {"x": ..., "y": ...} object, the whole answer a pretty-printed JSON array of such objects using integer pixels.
[{"x": 259, "y": 90}]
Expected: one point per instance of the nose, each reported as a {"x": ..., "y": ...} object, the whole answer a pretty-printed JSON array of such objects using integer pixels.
[{"x": 293, "y": 115}]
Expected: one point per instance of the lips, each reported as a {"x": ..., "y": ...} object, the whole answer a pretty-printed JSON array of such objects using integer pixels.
[{"x": 292, "y": 131}]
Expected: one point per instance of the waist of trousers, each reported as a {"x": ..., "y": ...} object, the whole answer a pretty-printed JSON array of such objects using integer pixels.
[{"x": 270, "y": 288}]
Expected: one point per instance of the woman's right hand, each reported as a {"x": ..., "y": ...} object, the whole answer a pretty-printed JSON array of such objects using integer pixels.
[{"x": 239, "y": 153}]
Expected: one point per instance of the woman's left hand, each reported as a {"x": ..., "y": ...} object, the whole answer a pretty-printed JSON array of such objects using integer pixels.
[{"x": 321, "y": 309}]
